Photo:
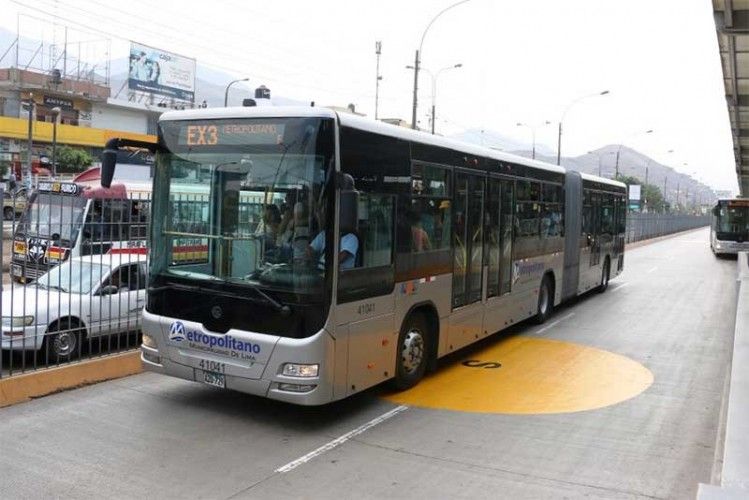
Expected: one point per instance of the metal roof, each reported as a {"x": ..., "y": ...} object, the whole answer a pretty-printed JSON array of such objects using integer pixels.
[{"x": 732, "y": 26}]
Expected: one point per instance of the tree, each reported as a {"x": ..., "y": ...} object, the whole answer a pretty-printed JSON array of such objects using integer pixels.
[
  {"x": 73, "y": 160},
  {"x": 651, "y": 195}
]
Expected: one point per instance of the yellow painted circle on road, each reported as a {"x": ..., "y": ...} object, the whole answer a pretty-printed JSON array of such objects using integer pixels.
[{"x": 534, "y": 376}]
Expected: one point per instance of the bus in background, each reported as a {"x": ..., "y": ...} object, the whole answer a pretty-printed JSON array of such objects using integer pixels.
[
  {"x": 64, "y": 219},
  {"x": 382, "y": 249},
  {"x": 729, "y": 228}
]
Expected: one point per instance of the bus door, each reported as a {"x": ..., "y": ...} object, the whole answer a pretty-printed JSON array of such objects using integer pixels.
[
  {"x": 595, "y": 241},
  {"x": 466, "y": 322}
]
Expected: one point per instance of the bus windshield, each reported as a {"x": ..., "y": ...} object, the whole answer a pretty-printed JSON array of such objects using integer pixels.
[
  {"x": 733, "y": 219},
  {"x": 48, "y": 215},
  {"x": 241, "y": 201}
]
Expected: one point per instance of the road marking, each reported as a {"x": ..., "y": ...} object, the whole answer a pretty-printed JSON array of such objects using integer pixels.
[
  {"x": 620, "y": 287},
  {"x": 340, "y": 440},
  {"x": 555, "y": 323},
  {"x": 653, "y": 269}
]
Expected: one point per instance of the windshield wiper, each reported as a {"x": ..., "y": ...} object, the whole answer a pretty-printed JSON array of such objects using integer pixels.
[{"x": 267, "y": 299}]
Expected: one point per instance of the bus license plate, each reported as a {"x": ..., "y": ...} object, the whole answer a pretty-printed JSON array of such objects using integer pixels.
[{"x": 215, "y": 379}]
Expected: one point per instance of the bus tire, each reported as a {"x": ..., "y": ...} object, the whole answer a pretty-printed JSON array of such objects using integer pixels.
[
  {"x": 63, "y": 340},
  {"x": 605, "y": 275},
  {"x": 545, "y": 301},
  {"x": 412, "y": 354}
]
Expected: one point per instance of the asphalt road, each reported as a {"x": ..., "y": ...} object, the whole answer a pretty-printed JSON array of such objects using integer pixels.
[{"x": 149, "y": 436}]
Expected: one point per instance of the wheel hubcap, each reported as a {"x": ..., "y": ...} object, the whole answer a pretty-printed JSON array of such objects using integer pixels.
[
  {"x": 413, "y": 351},
  {"x": 64, "y": 343}
]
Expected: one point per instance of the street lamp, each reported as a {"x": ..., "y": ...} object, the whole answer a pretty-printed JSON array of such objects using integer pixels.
[
  {"x": 619, "y": 150},
  {"x": 533, "y": 134},
  {"x": 434, "y": 77},
  {"x": 56, "y": 116},
  {"x": 417, "y": 61},
  {"x": 226, "y": 92},
  {"x": 559, "y": 136}
]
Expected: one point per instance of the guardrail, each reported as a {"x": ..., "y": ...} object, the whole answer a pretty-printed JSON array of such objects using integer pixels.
[
  {"x": 646, "y": 226},
  {"x": 73, "y": 276}
]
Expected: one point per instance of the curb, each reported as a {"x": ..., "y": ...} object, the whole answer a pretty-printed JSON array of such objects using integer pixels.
[{"x": 22, "y": 388}]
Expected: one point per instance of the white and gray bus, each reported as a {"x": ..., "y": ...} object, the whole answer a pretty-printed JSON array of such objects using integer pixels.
[
  {"x": 729, "y": 227},
  {"x": 380, "y": 249}
]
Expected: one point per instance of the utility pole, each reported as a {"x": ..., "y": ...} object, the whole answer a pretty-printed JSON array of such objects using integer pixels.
[
  {"x": 616, "y": 175},
  {"x": 416, "y": 90},
  {"x": 678, "y": 185},
  {"x": 378, "y": 51},
  {"x": 27, "y": 171},
  {"x": 645, "y": 187},
  {"x": 665, "y": 197}
]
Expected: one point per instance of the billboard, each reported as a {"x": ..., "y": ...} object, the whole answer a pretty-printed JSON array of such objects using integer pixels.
[
  {"x": 634, "y": 192},
  {"x": 159, "y": 72}
]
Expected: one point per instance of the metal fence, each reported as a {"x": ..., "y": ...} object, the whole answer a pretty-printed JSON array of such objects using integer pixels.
[
  {"x": 646, "y": 226},
  {"x": 74, "y": 270},
  {"x": 73, "y": 275}
]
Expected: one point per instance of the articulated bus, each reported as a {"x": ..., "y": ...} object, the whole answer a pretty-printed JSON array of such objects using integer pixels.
[
  {"x": 382, "y": 249},
  {"x": 729, "y": 228}
]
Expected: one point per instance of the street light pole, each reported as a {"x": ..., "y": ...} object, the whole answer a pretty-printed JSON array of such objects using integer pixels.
[
  {"x": 616, "y": 176},
  {"x": 30, "y": 145},
  {"x": 559, "y": 135},
  {"x": 226, "y": 92},
  {"x": 533, "y": 137},
  {"x": 378, "y": 51},
  {"x": 56, "y": 116},
  {"x": 434, "y": 76},
  {"x": 417, "y": 61}
]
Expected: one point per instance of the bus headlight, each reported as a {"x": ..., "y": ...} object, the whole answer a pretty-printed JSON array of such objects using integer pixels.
[
  {"x": 17, "y": 321},
  {"x": 299, "y": 370},
  {"x": 148, "y": 341}
]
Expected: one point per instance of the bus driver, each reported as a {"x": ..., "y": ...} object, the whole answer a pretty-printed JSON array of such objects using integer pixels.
[{"x": 348, "y": 250}]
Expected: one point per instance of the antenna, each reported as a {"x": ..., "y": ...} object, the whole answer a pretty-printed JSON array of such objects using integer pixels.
[{"x": 378, "y": 51}]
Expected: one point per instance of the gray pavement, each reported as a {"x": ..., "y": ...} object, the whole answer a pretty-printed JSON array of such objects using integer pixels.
[{"x": 149, "y": 436}]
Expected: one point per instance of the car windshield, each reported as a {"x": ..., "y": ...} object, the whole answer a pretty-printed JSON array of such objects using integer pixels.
[
  {"x": 74, "y": 276},
  {"x": 242, "y": 201},
  {"x": 48, "y": 215}
]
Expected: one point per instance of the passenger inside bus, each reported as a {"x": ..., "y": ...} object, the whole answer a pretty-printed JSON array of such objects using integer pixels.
[
  {"x": 419, "y": 238},
  {"x": 349, "y": 246}
]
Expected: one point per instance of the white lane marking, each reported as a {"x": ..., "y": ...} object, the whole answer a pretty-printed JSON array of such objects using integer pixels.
[
  {"x": 653, "y": 269},
  {"x": 555, "y": 323},
  {"x": 340, "y": 440},
  {"x": 620, "y": 287}
]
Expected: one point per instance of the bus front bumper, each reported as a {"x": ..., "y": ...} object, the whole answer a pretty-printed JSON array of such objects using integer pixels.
[{"x": 161, "y": 357}]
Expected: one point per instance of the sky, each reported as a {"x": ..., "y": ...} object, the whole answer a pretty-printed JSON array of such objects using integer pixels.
[{"x": 522, "y": 62}]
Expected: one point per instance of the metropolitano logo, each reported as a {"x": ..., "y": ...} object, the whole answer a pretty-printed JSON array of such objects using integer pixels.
[{"x": 177, "y": 331}]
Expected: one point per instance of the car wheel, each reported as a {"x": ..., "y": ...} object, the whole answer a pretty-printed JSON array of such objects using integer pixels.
[
  {"x": 545, "y": 301},
  {"x": 63, "y": 340},
  {"x": 413, "y": 353},
  {"x": 604, "y": 276}
]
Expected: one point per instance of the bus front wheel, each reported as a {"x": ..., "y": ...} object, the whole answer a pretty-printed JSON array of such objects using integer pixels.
[{"x": 412, "y": 355}]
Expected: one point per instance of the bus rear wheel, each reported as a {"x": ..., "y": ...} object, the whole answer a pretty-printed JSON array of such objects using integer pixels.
[
  {"x": 545, "y": 301},
  {"x": 412, "y": 354}
]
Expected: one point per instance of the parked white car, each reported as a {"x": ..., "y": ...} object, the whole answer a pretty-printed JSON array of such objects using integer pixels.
[{"x": 83, "y": 298}]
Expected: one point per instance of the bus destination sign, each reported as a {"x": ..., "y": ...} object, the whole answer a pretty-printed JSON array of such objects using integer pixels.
[
  {"x": 59, "y": 188},
  {"x": 239, "y": 133},
  {"x": 738, "y": 203}
]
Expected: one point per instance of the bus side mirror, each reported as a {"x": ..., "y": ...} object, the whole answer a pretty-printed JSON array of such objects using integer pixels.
[{"x": 108, "y": 164}]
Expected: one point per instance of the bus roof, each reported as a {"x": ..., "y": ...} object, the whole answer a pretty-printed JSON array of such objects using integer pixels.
[
  {"x": 602, "y": 180},
  {"x": 357, "y": 122}
]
